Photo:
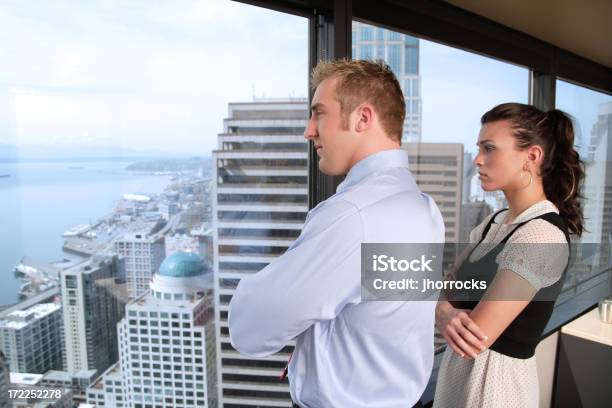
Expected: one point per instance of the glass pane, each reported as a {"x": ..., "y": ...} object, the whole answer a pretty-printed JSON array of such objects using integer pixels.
[
  {"x": 592, "y": 117},
  {"x": 131, "y": 135},
  {"x": 367, "y": 34},
  {"x": 446, "y": 92}
]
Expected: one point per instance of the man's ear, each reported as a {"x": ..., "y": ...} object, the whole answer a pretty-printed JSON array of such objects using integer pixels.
[{"x": 365, "y": 117}]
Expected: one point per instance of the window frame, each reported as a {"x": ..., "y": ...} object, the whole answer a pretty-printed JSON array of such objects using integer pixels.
[{"x": 330, "y": 36}]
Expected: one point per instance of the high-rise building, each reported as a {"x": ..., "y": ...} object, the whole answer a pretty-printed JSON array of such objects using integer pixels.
[
  {"x": 143, "y": 253},
  {"x": 598, "y": 187},
  {"x": 166, "y": 342},
  {"x": 32, "y": 387},
  {"x": 260, "y": 204},
  {"x": 92, "y": 308},
  {"x": 5, "y": 382},
  {"x": 31, "y": 339},
  {"x": 468, "y": 173},
  {"x": 438, "y": 170},
  {"x": 167, "y": 338},
  {"x": 401, "y": 53},
  {"x": 77, "y": 381},
  {"x": 107, "y": 391}
]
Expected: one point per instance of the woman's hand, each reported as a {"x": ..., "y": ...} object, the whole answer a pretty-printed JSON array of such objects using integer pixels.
[{"x": 459, "y": 330}]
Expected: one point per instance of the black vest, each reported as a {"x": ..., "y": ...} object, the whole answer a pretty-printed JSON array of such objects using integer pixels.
[{"x": 521, "y": 337}]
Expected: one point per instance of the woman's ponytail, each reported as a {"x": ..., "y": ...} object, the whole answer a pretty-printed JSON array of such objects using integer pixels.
[{"x": 563, "y": 173}]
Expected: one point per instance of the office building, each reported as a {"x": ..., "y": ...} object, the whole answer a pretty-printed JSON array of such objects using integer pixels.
[
  {"x": 92, "y": 306},
  {"x": 143, "y": 252},
  {"x": 107, "y": 390},
  {"x": 438, "y": 169},
  {"x": 166, "y": 342},
  {"x": 259, "y": 207},
  {"x": 598, "y": 188},
  {"x": 77, "y": 381},
  {"x": 165, "y": 355},
  {"x": 5, "y": 382},
  {"x": 401, "y": 53},
  {"x": 31, "y": 339},
  {"x": 31, "y": 387}
]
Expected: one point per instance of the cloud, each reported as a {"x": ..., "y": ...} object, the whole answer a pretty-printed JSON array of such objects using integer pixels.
[
  {"x": 145, "y": 72},
  {"x": 142, "y": 73}
]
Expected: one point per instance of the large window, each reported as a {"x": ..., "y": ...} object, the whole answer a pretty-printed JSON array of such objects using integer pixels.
[
  {"x": 592, "y": 117},
  {"x": 144, "y": 130},
  {"x": 130, "y": 133},
  {"x": 447, "y": 91}
]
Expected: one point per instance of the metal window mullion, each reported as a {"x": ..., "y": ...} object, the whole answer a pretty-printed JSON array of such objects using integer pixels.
[{"x": 542, "y": 90}]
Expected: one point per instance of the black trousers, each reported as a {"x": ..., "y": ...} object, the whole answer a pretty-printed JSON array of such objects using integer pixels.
[{"x": 417, "y": 405}]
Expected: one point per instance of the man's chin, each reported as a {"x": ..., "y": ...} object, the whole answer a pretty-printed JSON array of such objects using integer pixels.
[{"x": 329, "y": 172}]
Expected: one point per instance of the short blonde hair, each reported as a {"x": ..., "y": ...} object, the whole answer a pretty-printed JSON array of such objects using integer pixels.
[{"x": 365, "y": 81}]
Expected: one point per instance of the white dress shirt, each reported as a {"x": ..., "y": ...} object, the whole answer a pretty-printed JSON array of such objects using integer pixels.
[{"x": 348, "y": 353}]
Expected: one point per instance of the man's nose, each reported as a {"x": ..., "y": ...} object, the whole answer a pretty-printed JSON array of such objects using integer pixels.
[{"x": 311, "y": 130}]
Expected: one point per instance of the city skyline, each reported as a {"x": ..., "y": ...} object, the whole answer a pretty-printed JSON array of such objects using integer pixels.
[
  {"x": 239, "y": 175},
  {"x": 224, "y": 81}
]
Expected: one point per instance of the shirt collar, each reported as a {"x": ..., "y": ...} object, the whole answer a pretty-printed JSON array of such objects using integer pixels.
[{"x": 373, "y": 164}]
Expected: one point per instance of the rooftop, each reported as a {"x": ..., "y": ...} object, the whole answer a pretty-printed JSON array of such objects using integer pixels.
[
  {"x": 25, "y": 378},
  {"x": 21, "y": 318}
]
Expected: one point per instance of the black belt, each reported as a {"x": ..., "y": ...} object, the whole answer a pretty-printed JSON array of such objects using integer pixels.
[{"x": 417, "y": 405}]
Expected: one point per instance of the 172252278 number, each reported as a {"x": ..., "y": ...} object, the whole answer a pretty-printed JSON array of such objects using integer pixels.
[{"x": 35, "y": 394}]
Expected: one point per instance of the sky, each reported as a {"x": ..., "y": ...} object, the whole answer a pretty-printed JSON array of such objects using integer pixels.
[{"x": 156, "y": 76}]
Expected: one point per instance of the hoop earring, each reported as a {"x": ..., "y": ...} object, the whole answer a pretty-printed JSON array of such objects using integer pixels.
[{"x": 530, "y": 178}]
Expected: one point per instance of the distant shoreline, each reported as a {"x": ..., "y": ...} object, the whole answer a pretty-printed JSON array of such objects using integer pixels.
[{"x": 97, "y": 159}]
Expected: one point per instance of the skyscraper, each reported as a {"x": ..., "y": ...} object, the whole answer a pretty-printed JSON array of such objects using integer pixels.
[
  {"x": 165, "y": 355},
  {"x": 260, "y": 203},
  {"x": 401, "y": 53},
  {"x": 107, "y": 390},
  {"x": 92, "y": 307},
  {"x": 143, "y": 253},
  {"x": 5, "y": 382},
  {"x": 598, "y": 187},
  {"x": 31, "y": 339},
  {"x": 166, "y": 341},
  {"x": 438, "y": 170}
]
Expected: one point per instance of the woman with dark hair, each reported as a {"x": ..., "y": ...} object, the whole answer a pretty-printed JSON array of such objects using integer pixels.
[{"x": 522, "y": 252}]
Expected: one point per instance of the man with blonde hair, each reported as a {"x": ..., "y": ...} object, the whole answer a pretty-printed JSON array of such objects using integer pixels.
[{"x": 348, "y": 353}]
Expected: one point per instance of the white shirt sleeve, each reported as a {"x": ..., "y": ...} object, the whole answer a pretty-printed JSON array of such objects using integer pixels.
[
  {"x": 313, "y": 280},
  {"x": 538, "y": 252}
]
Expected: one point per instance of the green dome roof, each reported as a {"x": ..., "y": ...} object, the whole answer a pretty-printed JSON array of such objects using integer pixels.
[{"x": 183, "y": 265}]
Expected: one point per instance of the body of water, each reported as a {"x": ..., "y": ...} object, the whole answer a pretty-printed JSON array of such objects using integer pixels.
[{"x": 39, "y": 201}]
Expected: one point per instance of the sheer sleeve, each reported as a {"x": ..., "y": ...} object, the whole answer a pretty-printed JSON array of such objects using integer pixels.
[{"x": 538, "y": 252}]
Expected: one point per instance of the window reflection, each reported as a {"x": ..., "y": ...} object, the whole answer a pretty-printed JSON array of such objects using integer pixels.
[{"x": 592, "y": 114}]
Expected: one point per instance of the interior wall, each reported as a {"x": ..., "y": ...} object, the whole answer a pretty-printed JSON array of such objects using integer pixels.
[{"x": 546, "y": 354}]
